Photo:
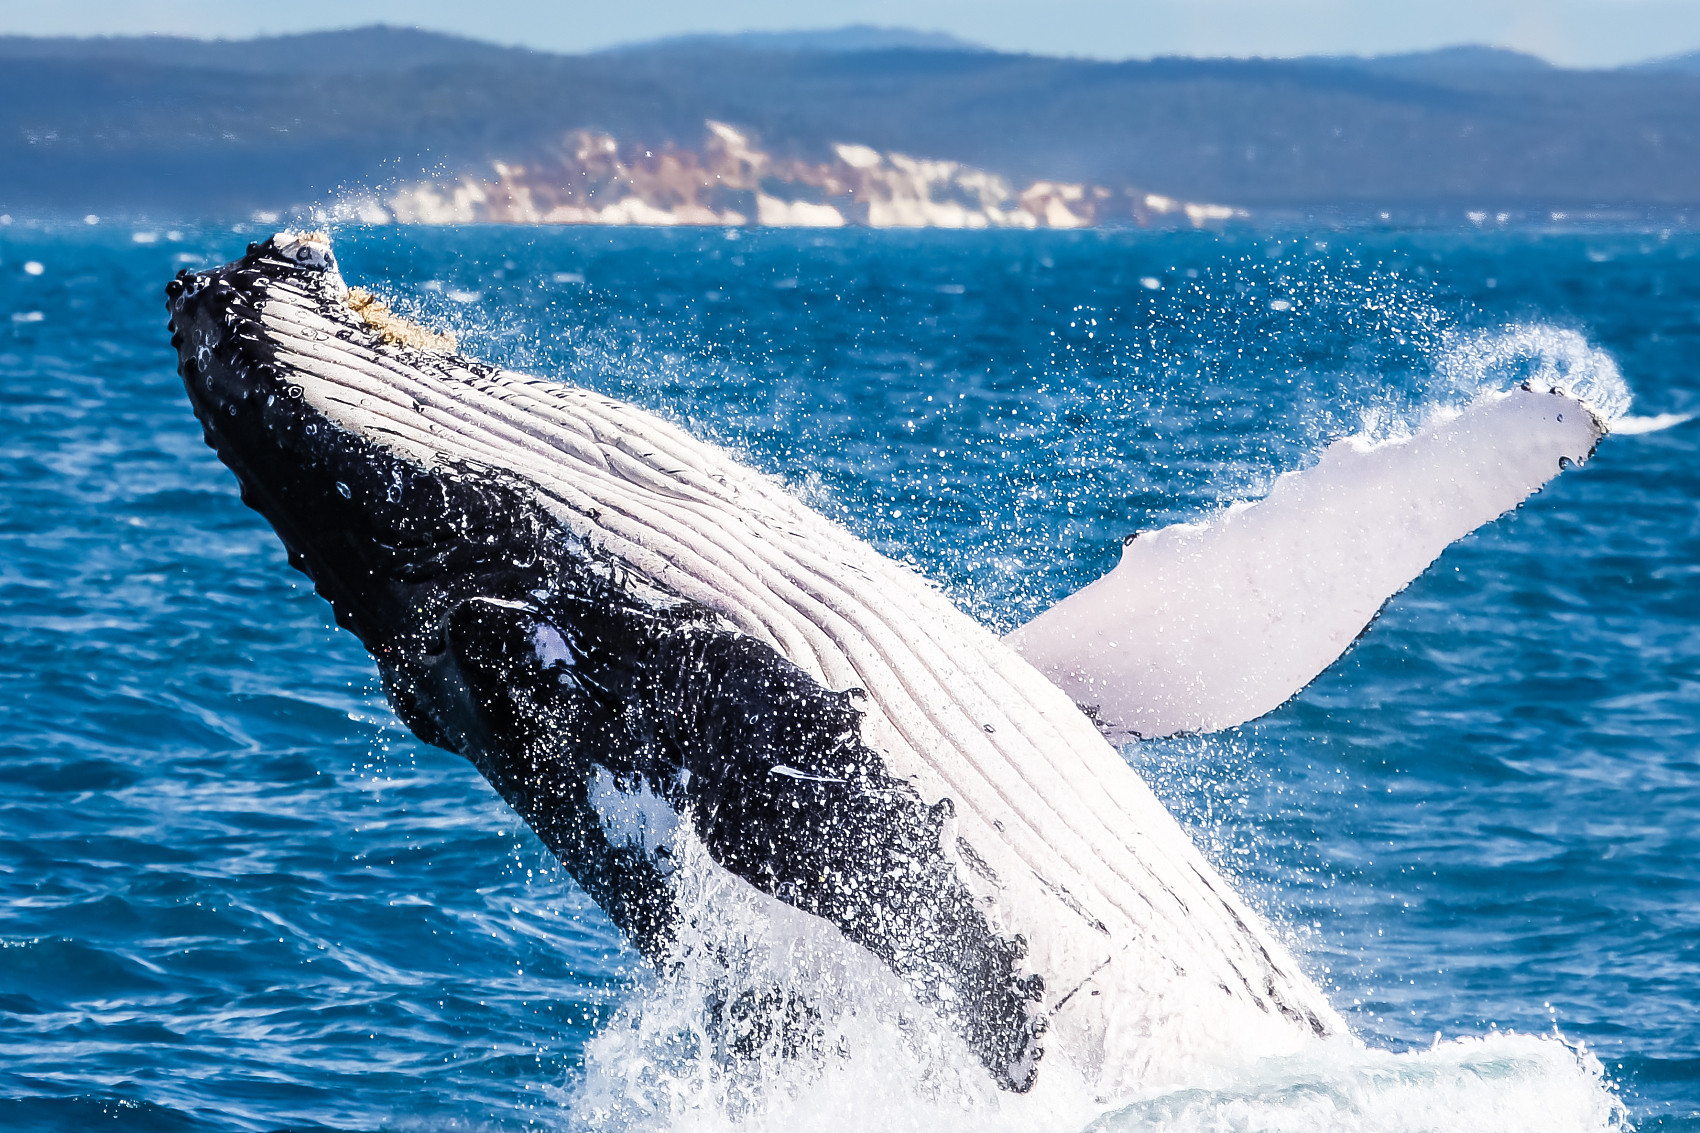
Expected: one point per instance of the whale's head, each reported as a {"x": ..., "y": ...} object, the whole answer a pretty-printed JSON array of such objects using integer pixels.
[{"x": 282, "y": 363}]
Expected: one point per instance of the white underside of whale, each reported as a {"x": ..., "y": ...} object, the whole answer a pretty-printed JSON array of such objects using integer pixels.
[{"x": 1156, "y": 973}]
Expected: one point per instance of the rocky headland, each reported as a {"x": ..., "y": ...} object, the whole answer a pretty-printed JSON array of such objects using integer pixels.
[{"x": 591, "y": 178}]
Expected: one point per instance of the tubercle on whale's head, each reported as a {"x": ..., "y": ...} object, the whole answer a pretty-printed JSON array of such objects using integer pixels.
[
  {"x": 389, "y": 542},
  {"x": 311, "y": 254},
  {"x": 310, "y": 251}
]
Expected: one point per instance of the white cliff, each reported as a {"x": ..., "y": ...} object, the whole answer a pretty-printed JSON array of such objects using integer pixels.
[{"x": 592, "y": 179}]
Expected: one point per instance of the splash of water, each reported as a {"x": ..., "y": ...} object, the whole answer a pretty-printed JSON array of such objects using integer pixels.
[
  {"x": 758, "y": 1020},
  {"x": 1540, "y": 354},
  {"x": 763, "y": 1018}
]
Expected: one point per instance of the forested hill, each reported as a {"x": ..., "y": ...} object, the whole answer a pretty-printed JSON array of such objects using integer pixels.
[{"x": 192, "y": 127}]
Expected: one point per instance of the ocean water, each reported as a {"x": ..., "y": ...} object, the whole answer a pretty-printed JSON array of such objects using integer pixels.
[{"x": 235, "y": 894}]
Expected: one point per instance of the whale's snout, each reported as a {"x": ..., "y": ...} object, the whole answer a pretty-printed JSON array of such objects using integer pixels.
[
  {"x": 241, "y": 393},
  {"x": 211, "y": 310},
  {"x": 369, "y": 527}
]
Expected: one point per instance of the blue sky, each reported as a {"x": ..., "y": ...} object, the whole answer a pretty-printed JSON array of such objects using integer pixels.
[{"x": 1573, "y": 32}]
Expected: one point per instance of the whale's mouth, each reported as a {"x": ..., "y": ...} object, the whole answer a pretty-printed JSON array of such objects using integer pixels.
[{"x": 288, "y": 457}]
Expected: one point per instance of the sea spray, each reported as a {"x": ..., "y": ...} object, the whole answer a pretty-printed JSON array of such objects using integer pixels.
[
  {"x": 1542, "y": 355},
  {"x": 763, "y": 1018}
]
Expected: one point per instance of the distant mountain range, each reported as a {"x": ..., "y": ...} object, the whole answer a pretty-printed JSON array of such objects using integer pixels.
[{"x": 180, "y": 127}]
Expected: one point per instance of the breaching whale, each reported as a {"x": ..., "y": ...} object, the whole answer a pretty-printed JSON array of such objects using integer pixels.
[{"x": 638, "y": 640}]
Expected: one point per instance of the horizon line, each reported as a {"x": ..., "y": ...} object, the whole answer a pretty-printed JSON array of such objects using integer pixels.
[{"x": 966, "y": 46}]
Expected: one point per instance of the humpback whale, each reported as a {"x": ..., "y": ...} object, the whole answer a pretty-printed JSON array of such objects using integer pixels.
[{"x": 637, "y": 640}]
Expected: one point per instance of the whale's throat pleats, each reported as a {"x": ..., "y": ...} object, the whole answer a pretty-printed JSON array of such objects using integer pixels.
[{"x": 630, "y": 633}]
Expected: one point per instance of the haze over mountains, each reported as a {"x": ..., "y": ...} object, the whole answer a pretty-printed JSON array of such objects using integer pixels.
[{"x": 187, "y": 127}]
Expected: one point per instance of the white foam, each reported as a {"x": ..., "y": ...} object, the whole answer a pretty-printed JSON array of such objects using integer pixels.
[
  {"x": 1503, "y": 1082},
  {"x": 874, "y": 1058},
  {"x": 879, "y": 1061},
  {"x": 1630, "y": 426}
]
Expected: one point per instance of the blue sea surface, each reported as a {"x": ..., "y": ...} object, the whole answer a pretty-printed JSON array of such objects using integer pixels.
[{"x": 236, "y": 894}]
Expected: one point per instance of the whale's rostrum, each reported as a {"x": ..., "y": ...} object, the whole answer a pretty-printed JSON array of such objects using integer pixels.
[{"x": 629, "y": 632}]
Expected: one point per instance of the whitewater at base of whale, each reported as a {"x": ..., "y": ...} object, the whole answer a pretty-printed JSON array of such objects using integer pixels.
[{"x": 892, "y": 1066}]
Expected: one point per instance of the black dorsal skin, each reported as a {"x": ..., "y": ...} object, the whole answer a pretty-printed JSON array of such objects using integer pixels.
[{"x": 503, "y": 637}]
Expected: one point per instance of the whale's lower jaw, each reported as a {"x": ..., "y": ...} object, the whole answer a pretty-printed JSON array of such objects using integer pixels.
[{"x": 624, "y": 631}]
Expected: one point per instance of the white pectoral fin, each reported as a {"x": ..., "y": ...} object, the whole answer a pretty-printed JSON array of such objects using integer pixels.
[{"x": 1204, "y": 626}]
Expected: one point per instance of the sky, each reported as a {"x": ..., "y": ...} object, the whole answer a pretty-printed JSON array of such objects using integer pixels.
[{"x": 1587, "y": 33}]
